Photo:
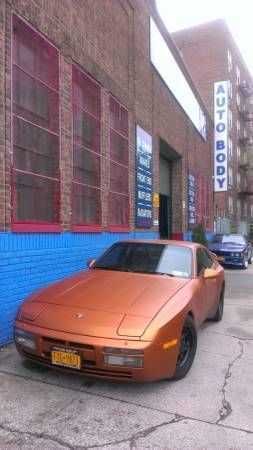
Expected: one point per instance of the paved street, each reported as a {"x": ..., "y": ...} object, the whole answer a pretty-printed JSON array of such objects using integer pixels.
[{"x": 212, "y": 408}]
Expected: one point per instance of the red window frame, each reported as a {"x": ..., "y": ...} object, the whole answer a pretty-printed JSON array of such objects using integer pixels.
[
  {"x": 86, "y": 156},
  {"x": 119, "y": 184},
  {"x": 34, "y": 111}
]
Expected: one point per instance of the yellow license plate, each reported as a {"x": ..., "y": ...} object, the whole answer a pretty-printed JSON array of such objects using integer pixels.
[
  {"x": 66, "y": 359},
  {"x": 220, "y": 258}
]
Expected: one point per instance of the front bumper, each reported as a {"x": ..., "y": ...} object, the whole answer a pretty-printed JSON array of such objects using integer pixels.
[
  {"x": 231, "y": 260},
  {"x": 158, "y": 362}
]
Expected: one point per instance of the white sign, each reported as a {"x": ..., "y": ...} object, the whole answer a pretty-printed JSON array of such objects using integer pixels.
[
  {"x": 168, "y": 68},
  {"x": 220, "y": 136}
]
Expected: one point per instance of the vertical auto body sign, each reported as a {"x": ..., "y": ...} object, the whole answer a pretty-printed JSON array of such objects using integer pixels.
[
  {"x": 144, "y": 179},
  {"x": 191, "y": 200},
  {"x": 220, "y": 136}
]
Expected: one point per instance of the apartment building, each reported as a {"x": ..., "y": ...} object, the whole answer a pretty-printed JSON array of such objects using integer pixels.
[{"x": 212, "y": 57}]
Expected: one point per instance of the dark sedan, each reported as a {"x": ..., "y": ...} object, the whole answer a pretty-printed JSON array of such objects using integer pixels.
[{"x": 231, "y": 249}]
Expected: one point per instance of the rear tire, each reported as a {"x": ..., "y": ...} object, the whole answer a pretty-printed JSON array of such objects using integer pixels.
[
  {"x": 187, "y": 349},
  {"x": 219, "y": 313}
]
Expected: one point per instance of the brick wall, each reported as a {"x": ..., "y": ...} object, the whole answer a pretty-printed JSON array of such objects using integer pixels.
[
  {"x": 113, "y": 47},
  {"x": 2, "y": 115}
]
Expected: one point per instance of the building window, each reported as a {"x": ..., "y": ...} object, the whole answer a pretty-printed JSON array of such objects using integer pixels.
[
  {"x": 238, "y": 127},
  {"x": 230, "y": 204},
  {"x": 238, "y": 152},
  {"x": 238, "y": 75},
  {"x": 119, "y": 166},
  {"x": 230, "y": 147},
  {"x": 230, "y": 118},
  {"x": 230, "y": 89},
  {"x": 238, "y": 180},
  {"x": 229, "y": 57},
  {"x": 238, "y": 99},
  {"x": 239, "y": 209},
  {"x": 245, "y": 209},
  {"x": 230, "y": 176},
  {"x": 35, "y": 121},
  {"x": 86, "y": 186}
]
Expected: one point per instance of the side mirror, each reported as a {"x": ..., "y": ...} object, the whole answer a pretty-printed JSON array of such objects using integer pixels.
[
  {"x": 209, "y": 274},
  {"x": 90, "y": 263}
]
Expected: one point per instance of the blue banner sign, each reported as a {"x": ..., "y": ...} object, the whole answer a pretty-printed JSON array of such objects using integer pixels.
[
  {"x": 191, "y": 200},
  {"x": 144, "y": 178}
]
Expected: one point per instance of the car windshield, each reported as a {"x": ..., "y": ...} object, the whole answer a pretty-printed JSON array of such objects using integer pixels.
[
  {"x": 228, "y": 238},
  {"x": 158, "y": 259}
]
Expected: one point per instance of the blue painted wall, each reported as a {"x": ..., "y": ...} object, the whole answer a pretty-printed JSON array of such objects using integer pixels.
[{"x": 29, "y": 261}]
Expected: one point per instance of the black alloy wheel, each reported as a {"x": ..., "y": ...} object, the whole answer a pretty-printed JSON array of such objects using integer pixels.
[
  {"x": 219, "y": 313},
  {"x": 187, "y": 349}
]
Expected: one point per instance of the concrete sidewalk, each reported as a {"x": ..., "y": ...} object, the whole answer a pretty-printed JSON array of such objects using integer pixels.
[{"x": 212, "y": 408}]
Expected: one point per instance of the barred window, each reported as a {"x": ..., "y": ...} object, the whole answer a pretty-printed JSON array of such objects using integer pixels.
[
  {"x": 119, "y": 167},
  {"x": 35, "y": 124},
  {"x": 86, "y": 190}
]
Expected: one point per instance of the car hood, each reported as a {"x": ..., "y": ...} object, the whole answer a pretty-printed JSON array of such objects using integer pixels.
[
  {"x": 101, "y": 302},
  {"x": 226, "y": 247}
]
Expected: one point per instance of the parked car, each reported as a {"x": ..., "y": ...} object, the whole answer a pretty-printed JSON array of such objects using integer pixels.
[
  {"x": 132, "y": 315},
  {"x": 231, "y": 249}
]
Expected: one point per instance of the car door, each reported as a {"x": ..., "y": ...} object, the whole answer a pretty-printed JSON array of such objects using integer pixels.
[{"x": 208, "y": 287}]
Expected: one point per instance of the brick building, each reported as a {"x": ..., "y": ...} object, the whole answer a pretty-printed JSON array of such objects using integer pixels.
[
  {"x": 97, "y": 142},
  {"x": 211, "y": 55}
]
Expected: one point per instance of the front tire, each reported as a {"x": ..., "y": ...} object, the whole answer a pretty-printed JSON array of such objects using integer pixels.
[
  {"x": 245, "y": 263},
  {"x": 187, "y": 349},
  {"x": 250, "y": 259},
  {"x": 219, "y": 313}
]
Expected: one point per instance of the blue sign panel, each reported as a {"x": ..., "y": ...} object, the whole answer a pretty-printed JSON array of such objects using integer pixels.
[
  {"x": 191, "y": 200},
  {"x": 144, "y": 178}
]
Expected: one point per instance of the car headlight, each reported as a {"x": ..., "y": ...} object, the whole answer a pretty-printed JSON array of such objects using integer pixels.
[
  {"x": 123, "y": 357},
  {"x": 25, "y": 339}
]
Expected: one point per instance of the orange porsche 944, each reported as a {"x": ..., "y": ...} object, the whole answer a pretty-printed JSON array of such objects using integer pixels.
[{"x": 132, "y": 315}]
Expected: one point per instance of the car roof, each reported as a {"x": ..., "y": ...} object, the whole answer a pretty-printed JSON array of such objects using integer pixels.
[
  {"x": 229, "y": 234},
  {"x": 163, "y": 242}
]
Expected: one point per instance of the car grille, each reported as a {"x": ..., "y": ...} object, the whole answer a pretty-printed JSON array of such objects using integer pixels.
[
  {"x": 89, "y": 361},
  {"x": 229, "y": 256},
  {"x": 74, "y": 345}
]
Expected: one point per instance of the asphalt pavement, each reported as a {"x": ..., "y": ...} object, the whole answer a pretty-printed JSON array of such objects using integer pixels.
[{"x": 212, "y": 408}]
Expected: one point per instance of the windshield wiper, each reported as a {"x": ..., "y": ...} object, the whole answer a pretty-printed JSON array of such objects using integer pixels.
[
  {"x": 232, "y": 242},
  {"x": 119, "y": 269}
]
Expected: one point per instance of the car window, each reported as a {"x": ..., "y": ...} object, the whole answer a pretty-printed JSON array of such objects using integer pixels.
[
  {"x": 173, "y": 260},
  {"x": 234, "y": 238},
  {"x": 204, "y": 261},
  {"x": 216, "y": 239},
  {"x": 176, "y": 261}
]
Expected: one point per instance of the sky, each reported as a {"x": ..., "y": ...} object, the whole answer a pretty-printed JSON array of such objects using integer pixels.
[{"x": 180, "y": 14}]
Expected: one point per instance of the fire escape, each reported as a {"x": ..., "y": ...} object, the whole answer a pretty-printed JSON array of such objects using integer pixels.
[{"x": 246, "y": 141}]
